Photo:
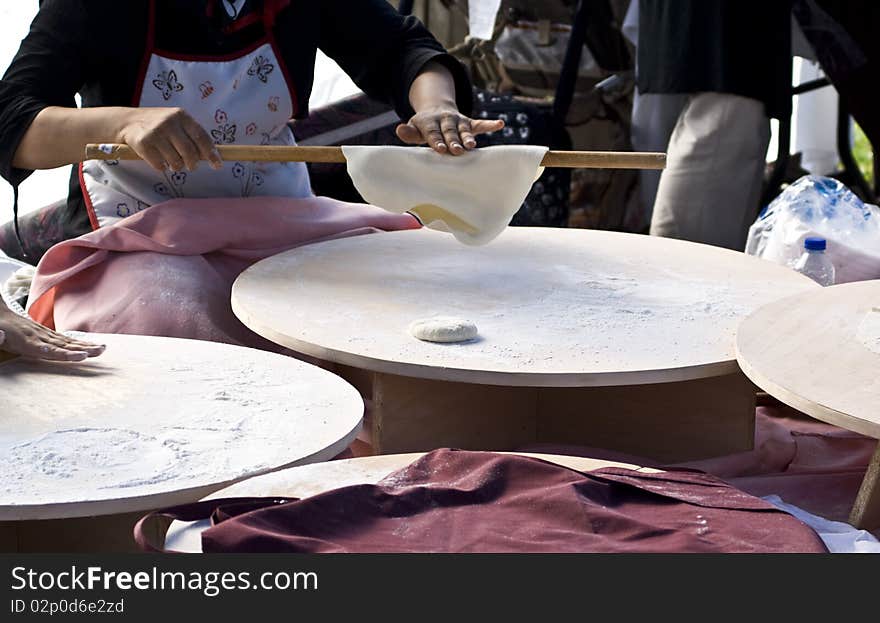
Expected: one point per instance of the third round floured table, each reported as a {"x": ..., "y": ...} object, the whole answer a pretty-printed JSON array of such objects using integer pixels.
[
  {"x": 596, "y": 338},
  {"x": 819, "y": 352}
]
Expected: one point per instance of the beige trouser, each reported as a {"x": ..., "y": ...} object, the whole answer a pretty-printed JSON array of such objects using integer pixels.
[{"x": 711, "y": 187}]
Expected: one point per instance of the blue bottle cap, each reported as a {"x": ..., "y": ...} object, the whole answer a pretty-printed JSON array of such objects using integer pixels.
[{"x": 815, "y": 244}]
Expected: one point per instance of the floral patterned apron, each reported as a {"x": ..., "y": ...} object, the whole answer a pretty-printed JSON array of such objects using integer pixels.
[{"x": 244, "y": 98}]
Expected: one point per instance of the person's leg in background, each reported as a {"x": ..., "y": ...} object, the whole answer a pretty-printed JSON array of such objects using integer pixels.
[
  {"x": 711, "y": 187},
  {"x": 654, "y": 116}
]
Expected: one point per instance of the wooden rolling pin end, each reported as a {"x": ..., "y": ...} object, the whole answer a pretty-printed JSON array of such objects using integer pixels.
[
  {"x": 604, "y": 160},
  {"x": 107, "y": 152}
]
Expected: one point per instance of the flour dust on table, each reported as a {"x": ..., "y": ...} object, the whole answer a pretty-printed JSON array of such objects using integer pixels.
[
  {"x": 564, "y": 305},
  {"x": 154, "y": 415},
  {"x": 869, "y": 330}
]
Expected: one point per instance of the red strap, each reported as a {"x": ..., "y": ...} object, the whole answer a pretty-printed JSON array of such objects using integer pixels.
[
  {"x": 151, "y": 28},
  {"x": 270, "y": 10},
  {"x": 244, "y": 22}
]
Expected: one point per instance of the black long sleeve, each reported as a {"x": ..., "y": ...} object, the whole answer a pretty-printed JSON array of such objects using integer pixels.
[
  {"x": 384, "y": 51},
  {"x": 48, "y": 70}
]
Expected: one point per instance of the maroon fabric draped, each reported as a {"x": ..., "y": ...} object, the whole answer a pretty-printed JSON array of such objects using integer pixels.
[{"x": 459, "y": 501}]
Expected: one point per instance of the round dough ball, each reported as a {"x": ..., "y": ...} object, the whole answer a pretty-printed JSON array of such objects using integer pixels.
[{"x": 443, "y": 329}]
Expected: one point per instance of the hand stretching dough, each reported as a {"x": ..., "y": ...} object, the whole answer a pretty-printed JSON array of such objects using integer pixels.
[
  {"x": 473, "y": 196},
  {"x": 444, "y": 329}
]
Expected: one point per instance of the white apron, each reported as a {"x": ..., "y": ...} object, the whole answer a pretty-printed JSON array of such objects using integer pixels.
[{"x": 244, "y": 98}]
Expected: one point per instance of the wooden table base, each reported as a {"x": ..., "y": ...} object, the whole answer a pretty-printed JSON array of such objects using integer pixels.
[
  {"x": 668, "y": 422},
  {"x": 866, "y": 510},
  {"x": 107, "y": 533}
]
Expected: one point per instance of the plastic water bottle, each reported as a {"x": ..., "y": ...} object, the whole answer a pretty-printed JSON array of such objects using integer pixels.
[{"x": 815, "y": 263}]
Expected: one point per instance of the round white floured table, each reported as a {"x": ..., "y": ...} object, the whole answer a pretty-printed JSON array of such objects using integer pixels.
[
  {"x": 819, "y": 352},
  {"x": 612, "y": 340},
  {"x": 152, "y": 422},
  {"x": 309, "y": 480}
]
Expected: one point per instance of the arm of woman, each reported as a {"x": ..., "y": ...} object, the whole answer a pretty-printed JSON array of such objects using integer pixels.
[
  {"x": 40, "y": 126},
  {"x": 396, "y": 59},
  {"x": 167, "y": 138}
]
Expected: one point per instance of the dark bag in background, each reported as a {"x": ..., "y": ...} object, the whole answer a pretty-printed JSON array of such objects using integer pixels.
[
  {"x": 543, "y": 121},
  {"x": 546, "y": 205},
  {"x": 540, "y": 123}
]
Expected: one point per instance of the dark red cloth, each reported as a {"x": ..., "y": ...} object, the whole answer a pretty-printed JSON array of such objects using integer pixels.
[{"x": 460, "y": 501}]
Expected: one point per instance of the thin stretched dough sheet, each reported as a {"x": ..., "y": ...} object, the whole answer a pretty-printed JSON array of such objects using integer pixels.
[{"x": 473, "y": 196}]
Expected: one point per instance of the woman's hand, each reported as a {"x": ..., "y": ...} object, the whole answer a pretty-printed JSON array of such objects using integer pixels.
[
  {"x": 445, "y": 130},
  {"x": 437, "y": 121},
  {"x": 168, "y": 138},
  {"x": 22, "y": 336}
]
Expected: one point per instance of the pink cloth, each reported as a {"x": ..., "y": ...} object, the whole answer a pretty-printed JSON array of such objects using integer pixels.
[
  {"x": 168, "y": 270},
  {"x": 815, "y": 466}
]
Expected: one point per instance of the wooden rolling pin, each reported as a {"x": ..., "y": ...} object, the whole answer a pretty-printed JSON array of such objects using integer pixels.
[{"x": 271, "y": 153}]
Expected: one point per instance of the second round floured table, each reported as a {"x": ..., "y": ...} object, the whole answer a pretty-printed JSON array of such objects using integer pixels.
[
  {"x": 819, "y": 352},
  {"x": 597, "y": 338},
  {"x": 150, "y": 423}
]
